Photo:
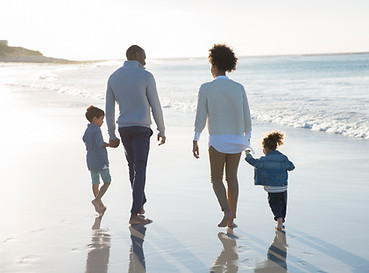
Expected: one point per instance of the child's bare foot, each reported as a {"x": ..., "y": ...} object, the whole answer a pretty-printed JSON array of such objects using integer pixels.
[
  {"x": 279, "y": 224},
  {"x": 139, "y": 220},
  {"x": 102, "y": 211},
  {"x": 96, "y": 205},
  {"x": 226, "y": 218}
]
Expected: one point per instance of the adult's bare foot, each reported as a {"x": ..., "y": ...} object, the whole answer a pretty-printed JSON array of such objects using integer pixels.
[
  {"x": 226, "y": 218},
  {"x": 232, "y": 224},
  {"x": 279, "y": 224},
  {"x": 139, "y": 220}
]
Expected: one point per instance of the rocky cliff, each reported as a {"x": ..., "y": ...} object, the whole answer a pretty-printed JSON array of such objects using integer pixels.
[{"x": 20, "y": 54}]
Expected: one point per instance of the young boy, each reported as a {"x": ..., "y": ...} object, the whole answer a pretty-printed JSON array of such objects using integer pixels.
[
  {"x": 271, "y": 172},
  {"x": 97, "y": 156}
]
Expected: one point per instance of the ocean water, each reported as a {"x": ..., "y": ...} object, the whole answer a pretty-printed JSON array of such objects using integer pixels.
[{"x": 328, "y": 93}]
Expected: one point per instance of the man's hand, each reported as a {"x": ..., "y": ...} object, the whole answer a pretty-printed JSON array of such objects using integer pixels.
[
  {"x": 161, "y": 139},
  {"x": 195, "y": 149},
  {"x": 114, "y": 143}
]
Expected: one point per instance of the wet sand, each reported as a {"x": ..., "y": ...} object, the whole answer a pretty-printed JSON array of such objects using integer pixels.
[{"x": 49, "y": 225}]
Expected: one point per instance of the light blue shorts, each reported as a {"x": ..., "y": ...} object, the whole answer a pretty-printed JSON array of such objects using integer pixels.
[{"x": 105, "y": 176}]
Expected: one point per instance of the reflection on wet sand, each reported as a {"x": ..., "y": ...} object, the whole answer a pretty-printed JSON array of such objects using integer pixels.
[
  {"x": 227, "y": 261},
  {"x": 277, "y": 256},
  {"x": 136, "y": 255},
  {"x": 98, "y": 256}
]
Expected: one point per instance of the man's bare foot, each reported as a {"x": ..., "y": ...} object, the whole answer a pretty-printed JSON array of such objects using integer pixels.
[
  {"x": 227, "y": 217},
  {"x": 142, "y": 211},
  {"x": 139, "y": 220},
  {"x": 279, "y": 224},
  {"x": 232, "y": 225},
  {"x": 96, "y": 205}
]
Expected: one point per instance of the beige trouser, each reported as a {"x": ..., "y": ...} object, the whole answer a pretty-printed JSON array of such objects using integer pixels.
[{"x": 227, "y": 199}]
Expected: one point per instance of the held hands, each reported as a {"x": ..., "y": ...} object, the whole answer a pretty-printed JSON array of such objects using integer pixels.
[
  {"x": 114, "y": 143},
  {"x": 195, "y": 149}
]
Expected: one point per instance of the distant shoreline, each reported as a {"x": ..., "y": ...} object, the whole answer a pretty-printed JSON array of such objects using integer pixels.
[
  {"x": 9, "y": 54},
  {"x": 37, "y": 59}
]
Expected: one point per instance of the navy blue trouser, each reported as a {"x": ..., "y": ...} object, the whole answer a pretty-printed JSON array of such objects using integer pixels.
[
  {"x": 136, "y": 142},
  {"x": 278, "y": 203}
]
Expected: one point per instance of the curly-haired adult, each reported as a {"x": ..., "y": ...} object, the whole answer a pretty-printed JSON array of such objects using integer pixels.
[{"x": 223, "y": 106}]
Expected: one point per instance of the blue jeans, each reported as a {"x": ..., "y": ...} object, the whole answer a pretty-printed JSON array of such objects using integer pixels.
[
  {"x": 278, "y": 203},
  {"x": 136, "y": 142}
]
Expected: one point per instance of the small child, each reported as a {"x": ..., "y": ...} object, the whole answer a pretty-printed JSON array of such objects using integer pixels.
[
  {"x": 271, "y": 172},
  {"x": 97, "y": 156}
]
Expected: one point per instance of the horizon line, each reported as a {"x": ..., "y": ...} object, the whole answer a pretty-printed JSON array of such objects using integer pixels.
[{"x": 244, "y": 56}]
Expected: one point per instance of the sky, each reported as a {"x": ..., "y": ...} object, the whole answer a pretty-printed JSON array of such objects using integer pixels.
[{"x": 104, "y": 29}]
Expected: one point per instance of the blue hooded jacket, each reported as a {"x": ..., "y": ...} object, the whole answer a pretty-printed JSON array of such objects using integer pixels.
[{"x": 271, "y": 169}]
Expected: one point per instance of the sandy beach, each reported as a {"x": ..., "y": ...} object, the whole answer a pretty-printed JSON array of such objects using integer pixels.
[{"x": 49, "y": 225}]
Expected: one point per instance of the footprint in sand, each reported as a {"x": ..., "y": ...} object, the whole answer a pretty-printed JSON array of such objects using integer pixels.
[
  {"x": 38, "y": 230},
  {"x": 8, "y": 240},
  {"x": 29, "y": 259}
]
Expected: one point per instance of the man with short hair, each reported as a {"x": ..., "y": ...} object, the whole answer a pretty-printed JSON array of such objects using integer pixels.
[{"x": 134, "y": 89}]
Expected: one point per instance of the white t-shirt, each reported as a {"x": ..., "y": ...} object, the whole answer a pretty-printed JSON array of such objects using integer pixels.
[{"x": 228, "y": 144}]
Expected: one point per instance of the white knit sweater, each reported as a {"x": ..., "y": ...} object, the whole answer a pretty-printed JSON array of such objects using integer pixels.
[{"x": 223, "y": 105}]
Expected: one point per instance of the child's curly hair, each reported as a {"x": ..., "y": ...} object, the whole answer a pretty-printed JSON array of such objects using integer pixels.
[
  {"x": 272, "y": 140},
  {"x": 223, "y": 57}
]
